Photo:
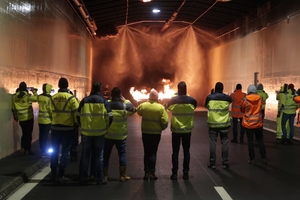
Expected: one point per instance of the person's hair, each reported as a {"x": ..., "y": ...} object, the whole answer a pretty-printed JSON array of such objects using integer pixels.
[
  {"x": 96, "y": 87},
  {"x": 238, "y": 86},
  {"x": 181, "y": 88},
  {"x": 219, "y": 87},
  {"x": 115, "y": 92}
]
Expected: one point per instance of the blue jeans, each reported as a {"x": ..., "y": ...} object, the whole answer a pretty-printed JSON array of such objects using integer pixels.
[
  {"x": 91, "y": 145},
  {"x": 258, "y": 132},
  {"x": 235, "y": 129},
  {"x": 43, "y": 136},
  {"x": 213, "y": 135},
  {"x": 63, "y": 138},
  {"x": 186, "y": 143},
  {"x": 121, "y": 147},
  {"x": 150, "y": 142},
  {"x": 291, "y": 118}
]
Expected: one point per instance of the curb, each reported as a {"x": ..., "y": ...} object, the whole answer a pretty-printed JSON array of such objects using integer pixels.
[{"x": 20, "y": 180}]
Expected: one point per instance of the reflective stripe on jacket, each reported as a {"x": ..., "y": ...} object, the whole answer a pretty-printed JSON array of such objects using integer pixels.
[
  {"x": 154, "y": 117},
  {"x": 182, "y": 108},
  {"x": 120, "y": 110},
  {"x": 64, "y": 107},
  {"x": 237, "y": 98},
  {"x": 251, "y": 107},
  {"x": 218, "y": 110},
  {"x": 94, "y": 113},
  {"x": 22, "y": 105}
]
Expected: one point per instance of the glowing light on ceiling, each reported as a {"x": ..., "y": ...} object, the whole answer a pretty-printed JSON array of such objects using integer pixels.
[
  {"x": 145, "y": 1},
  {"x": 155, "y": 10},
  {"x": 21, "y": 7}
]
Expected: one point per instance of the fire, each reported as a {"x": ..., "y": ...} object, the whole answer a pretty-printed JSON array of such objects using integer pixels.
[{"x": 167, "y": 93}]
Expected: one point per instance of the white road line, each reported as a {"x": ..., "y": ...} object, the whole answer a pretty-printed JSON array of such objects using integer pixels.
[
  {"x": 24, "y": 189},
  {"x": 222, "y": 192}
]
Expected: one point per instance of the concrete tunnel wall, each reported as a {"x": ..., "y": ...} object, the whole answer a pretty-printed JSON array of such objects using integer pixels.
[
  {"x": 40, "y": 41},
  {"x": 43, "y": 40}
]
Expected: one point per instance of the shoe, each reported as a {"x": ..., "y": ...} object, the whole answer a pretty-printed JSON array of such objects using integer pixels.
[
  {"x": 185, "y": 176},
  {"x": 251, "y": 162},
  {"x": 83, "y": 183},
  {"x": 225, "y": 166},
  {"x": 74, "y": 158},
  {"x": 62, "y": 179},
  {"x": 211, "y": 166},
  {"x": 234, "y": 141},
  {"x": 264, "y": 161},
  {"x": 284, "y": 141},
  {"x": 290, "y": 142},
  {"x": 173, "y": 177}
]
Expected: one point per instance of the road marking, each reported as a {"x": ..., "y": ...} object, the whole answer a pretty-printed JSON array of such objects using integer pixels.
[
  {"x": 222, "y": 192},
  {"x": 27, "y": 187}
]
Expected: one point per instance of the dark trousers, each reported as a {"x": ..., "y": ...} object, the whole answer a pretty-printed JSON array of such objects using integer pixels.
[
  {"x": 285, "y": 118},
  {"x": 91, "y": 145},
  {"x": 43, "y": 136},
  {"x": 258, "y": 132},
  {"x": 73, "y": 150},
  {"x": 213, "y": 135},
  {"x": 235, "y": 129},
  {"x": 177, "y": 138},
  {"x": 121, "y": 147},
  {"x": 150, "y": 142},
  {"x": 63, "y": 138},
  {"x": 27, "y": 128}
]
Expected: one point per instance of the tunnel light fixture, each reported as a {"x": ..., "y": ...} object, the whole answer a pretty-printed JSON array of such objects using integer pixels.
[
  {"x": 155, "y": 10},
  {"x": 223, "y": 0},
  {"x": 145, "y": 1}
]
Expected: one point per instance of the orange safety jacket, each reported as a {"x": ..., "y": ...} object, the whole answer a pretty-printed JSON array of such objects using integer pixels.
[
  {"x": 251, "y": 107},
  {"x": 297, "y": 100},
  {"x": 237, "y": 98}
]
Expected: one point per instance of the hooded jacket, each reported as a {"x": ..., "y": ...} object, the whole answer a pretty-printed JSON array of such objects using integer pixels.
[
  {"x": 263, "y": 94},
  {"x": 44, "y": 100},
  {"x": 22, "y": 104},
  {"x": 251, "y": 107}
]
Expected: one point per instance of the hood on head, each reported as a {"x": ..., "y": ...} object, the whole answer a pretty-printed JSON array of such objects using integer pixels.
[{"x": 47, "y": 88}]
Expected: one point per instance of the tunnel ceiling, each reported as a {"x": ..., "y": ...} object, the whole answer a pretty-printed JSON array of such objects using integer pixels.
[{"x": 207, "y": 14}]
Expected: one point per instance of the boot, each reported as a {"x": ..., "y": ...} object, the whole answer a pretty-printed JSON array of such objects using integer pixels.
[
  {"x": 105, "y": 172},
  {"x": 147, "y": 173},
  {"x": 123, "y": 176},
  {"x": 152, "y": 175}
]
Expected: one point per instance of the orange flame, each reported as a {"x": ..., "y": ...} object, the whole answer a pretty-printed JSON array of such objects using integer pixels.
[{"x": 167, "y": 93}]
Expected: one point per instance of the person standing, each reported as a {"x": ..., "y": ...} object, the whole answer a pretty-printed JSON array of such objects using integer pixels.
[
  {"x": 264, "y": 96},
  {"x": 64, "y": 106},
  {"x": 289, "y": 107},
  {"x": 218, "y": 121},
  {"x": 45, "y": 117},
  {"x": 236, "y": 114},
  {"x": 253, "y": 122},
  {"x": 182, "y": 108},
  {"x": 281, "y": 94},
  {"x": 116, "y": 134},
  {"x": 23, "y": 113},
  {"x": 95, "y": 116},
  {"x": 154, "y": 120}
]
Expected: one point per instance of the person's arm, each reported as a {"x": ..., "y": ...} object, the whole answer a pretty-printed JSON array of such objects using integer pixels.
[
  {"x": 109, "y": 112},
  {"x": 164, "y": 119}
]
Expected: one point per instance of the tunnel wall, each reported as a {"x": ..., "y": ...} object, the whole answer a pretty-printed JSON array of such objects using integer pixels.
[
  {"x": 273, "y": 52},
  {"x": 41, "y": 41}
]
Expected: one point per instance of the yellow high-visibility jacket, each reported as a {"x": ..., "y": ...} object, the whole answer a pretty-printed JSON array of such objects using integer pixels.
[
  {"x": 44, "y": 100},
  {"x": 64, "y": 107},
  {"x": 22, "y": 105},
  {"x": 154, "y": 117}
]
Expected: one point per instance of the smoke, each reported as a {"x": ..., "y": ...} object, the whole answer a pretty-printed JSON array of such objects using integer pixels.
[{"x": 141, "y": 56}]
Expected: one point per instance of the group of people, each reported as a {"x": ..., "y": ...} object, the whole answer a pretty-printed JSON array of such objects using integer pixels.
[{"x": 103, "y": 124}]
